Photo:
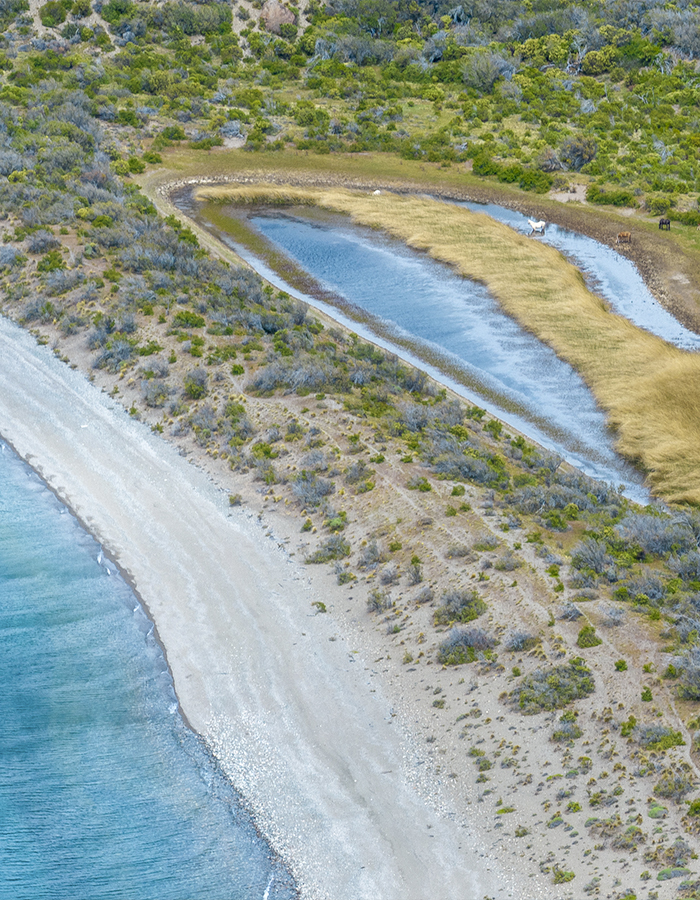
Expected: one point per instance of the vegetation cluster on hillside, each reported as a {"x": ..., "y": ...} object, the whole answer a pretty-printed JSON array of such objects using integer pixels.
[{"x": 533, "y": 93}]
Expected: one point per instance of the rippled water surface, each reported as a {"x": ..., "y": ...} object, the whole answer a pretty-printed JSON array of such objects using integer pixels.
[
  {"x": 104, "y": 792},
  {"x": 451, "y": 319}
]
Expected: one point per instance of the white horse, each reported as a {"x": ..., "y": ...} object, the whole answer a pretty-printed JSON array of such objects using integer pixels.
[{"x": 537, "y": 227}]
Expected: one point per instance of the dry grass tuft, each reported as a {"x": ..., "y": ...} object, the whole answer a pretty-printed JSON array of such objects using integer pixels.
[{"x": 647, "y": 387}]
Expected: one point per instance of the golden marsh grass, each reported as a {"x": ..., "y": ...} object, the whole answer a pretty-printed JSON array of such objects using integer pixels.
[{"x": 647, "y": 387}]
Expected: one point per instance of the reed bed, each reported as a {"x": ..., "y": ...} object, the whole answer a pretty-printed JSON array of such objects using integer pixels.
[{"x": 648, "y": 388}]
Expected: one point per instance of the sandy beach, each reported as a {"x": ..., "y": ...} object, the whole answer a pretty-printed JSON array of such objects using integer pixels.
[{"x": 282, "y": 698}]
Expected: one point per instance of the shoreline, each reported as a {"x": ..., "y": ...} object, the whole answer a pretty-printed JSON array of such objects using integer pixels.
[
  {"x": 315, "y": 790},
  {"x": 437, "y": 753}
]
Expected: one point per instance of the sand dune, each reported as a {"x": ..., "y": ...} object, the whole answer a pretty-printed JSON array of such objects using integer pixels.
[{"x": 280, "y": 697}]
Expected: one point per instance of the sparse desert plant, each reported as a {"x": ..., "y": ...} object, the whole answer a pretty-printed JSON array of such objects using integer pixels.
[
  {"x": 591, "y": 554},
  {"x": 335, "y": 547},
  {"x": 464, "y": 645},
  {"x": 687, "y": 565},
  {"x": 486, "y": 543},
  {"x": 42, "y": 241},
  {"x": 656, "y": 534},
  {"x": 676, "y": 782},
  {"x": 425, "y": 595},
  {"x": 613, "y": 616},
  {"x": 459, "y": 551},
  {"x": 646, "y": 584},
  {"x": 459, "y": 605},
  {"x": 389, "y": 574},
  {"x": 520, "y": 641},
  {"x": 414, "y": 574},
  {"x": 553, "y": 687},
  {"x": 689, "y": 670},
  {"x": 378, "y": 600},
  {"x": 371, "y": 556},
  {"x": 569, "y": 612},
  {"x": 567, "y": 730},
  {"x": 657, "y": 737},
  {"x": 310, "y": 489},
  {"x": 155, "y": 392},
  {"x": 508, "y": 562},
  {"x": 196, "y": 384}
]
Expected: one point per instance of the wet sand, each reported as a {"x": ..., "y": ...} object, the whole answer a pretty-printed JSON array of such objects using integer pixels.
[{"x": 281, "y": 698}]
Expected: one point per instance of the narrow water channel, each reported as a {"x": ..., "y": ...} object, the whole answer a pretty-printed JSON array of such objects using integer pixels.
[
  {"x": 609, "y": 274},
  {"x": 446, "y": 324}
]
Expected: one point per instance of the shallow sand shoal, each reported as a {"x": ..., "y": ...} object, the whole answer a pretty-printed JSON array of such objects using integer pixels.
[{"x": 280, "y": 697}]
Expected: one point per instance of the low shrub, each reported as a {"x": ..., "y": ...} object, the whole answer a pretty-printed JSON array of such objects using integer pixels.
[
  {"x": 371, "y": 556},
  {"x": 567, "y": 731},
  {"x": 310, "y": 489},
  {"x": 508, "y": 562},
  {"x": 591, "y": 554},
  {"x": 414, "y": 574},
  {"x": 196, "y": 384},
  {"x": 569, "y": 612},
  {"x": 335, "y": 547},
  {"x": 389, "y": 574},
  {"x": 459, "y": 551},
  {"x": 379, "y": 600},
  {"x": 520, "y": 641},
  {"x": 553, "y": 687},
  {"x": 675, "y": 783},
  {"x": 657, "y": 737},
  {"x": 425, "y": 595},
  {"x": 689, "y": 671},
  {"x": 655, "y": 534},
  {"x": 464, "y": 645},
  {"x": 460, "y": 605}
]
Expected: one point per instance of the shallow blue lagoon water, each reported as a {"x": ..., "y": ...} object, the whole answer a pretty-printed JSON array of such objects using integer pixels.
[
  {"x": 452, "y": 319},
  {"x": 104, "y": 791}
]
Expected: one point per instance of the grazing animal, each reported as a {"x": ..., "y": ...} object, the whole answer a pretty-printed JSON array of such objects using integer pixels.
[
  {"x": 537, "y": 227},
  {"x": 664, "y": 224},
  {"x": 624, "y": 237}
]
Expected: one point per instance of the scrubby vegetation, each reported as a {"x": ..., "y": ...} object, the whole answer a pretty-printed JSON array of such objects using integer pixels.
[
  {"x": 531, "y": 97},
  {"x": 553, "y": 688}
]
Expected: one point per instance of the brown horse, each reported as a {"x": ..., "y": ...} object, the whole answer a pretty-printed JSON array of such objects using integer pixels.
[
  {"x": 664, "y": 224},
  {"x": 624, "y": 237}
]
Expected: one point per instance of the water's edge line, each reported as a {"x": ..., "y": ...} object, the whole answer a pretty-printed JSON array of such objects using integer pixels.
[{"x": 243, "y": 802}]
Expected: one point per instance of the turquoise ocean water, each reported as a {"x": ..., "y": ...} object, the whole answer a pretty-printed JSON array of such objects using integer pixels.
[{"x": 104, "y": 791}]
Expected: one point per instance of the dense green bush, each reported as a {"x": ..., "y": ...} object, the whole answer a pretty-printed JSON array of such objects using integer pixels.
[
  {"x": 54, "y": 13},
  {"x": 620, "y": 197},
  {"x": 587, "y": 637},
  {"x": 335, "y": 547}
]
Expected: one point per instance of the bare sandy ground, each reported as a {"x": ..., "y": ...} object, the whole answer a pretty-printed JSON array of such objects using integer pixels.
[{"x": 283, "y": 700}]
